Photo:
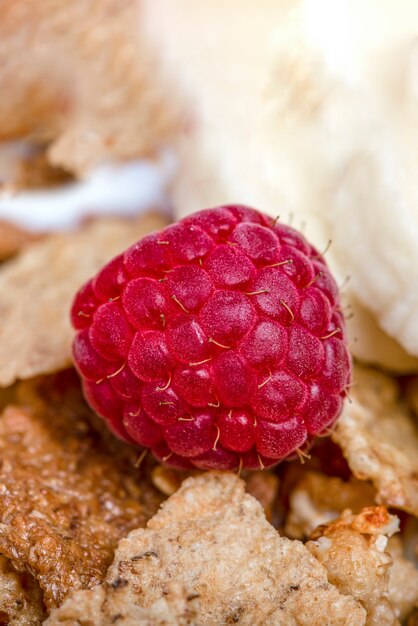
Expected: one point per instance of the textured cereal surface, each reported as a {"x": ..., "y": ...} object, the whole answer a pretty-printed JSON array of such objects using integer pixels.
[
  {"x": 38, "y": 286},
  {"x": 379, "y": 438},
  {"x": 215, "y": 539},
  {"x": 20, "y": 597},
  {"x": 178, "y": 607},
  {"x": 100, "y": 52},
  {"x": 67, "y": 495},
  {"x": 353, "y": 551},
  {"x": 403, "y": 580}
]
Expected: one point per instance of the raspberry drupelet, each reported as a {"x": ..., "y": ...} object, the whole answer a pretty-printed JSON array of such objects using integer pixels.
[{"x": 217, "y": 342}]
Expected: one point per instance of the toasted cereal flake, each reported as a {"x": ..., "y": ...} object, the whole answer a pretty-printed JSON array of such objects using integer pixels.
[
  {"x": 38, "y": 173},
  {"x": 379, "y": 438},
  {"x": 353, "y": 551},
  {"x": 13, "y": 239},
  {"x": 264, "y": 486},
  {"x": 215, "y": 539},
  {"x": 403, "y": 580},
  {"x": 178, "y": 607},
  {"x": 37, "y": 290},
  {"x": 66, "y": 494},
  {"x": 167, "y": 480},
  {"x": 317, "y": 499},
  {"x": 20, "y": 597},
  {"x": 101, "y": 51}
]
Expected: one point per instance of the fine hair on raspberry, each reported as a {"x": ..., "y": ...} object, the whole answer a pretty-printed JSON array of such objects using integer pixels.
[{"x": 218, "y": 342}]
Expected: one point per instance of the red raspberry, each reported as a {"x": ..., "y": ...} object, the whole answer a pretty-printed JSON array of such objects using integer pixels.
[{"x": 218, "y": 342}]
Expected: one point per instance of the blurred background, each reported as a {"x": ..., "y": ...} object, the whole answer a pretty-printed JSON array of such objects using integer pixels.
[{"x": 305, "y": 109}]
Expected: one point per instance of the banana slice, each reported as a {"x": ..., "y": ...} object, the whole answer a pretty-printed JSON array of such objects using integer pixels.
[{"x": 309, "y": 108}]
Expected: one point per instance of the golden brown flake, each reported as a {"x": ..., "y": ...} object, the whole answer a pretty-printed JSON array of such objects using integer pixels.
[
  {"x": 264, "y": 486},
  {"x": 412, "y": 394},
  {"x": 413, "y": 620},
  {"x": 36, "y": 172},
  {"x": 168, "y": 480},
  {"x": 20, "y": 597},
  {"x": 67, "y": 496}
]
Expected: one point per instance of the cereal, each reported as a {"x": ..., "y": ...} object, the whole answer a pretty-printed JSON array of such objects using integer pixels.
[
  {"x": 215, "y": 539},
  {"x": 102, "y": 101},
  {"x": 379, "y": 438},
  {"x": 178, "y": 607},
  {"x": 20, "y": 597},
  {"x": 264, "y": 486},
  {"x": 353, "y": 551},
  {"x": 317, "y": 499},
  {"x": 403, "y": 580},
  {"x": 166, "y": 479},
  {"x": 67, "y": 496},
  {"x": 13, "y": 239}
]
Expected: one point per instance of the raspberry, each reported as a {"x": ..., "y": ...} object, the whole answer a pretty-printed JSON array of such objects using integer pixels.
[{"x": 218, "y": 342}]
